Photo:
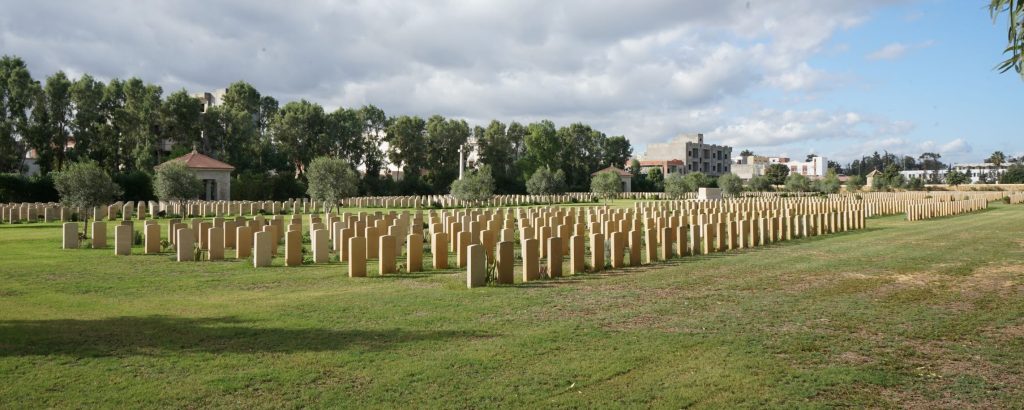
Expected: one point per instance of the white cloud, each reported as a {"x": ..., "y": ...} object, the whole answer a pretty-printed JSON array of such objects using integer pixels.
[{"x": 894, "y": 51}]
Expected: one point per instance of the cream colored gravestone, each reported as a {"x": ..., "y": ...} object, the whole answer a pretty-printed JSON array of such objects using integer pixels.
[
  {"x": 531, "y": 260},
  {"x": 123, "y": 240},
  {"x": 293, "y": 248},
  {"x": 152, "y": 238},
  {"x": 576, "y": 253},
  {"x": 462, "y": 242},
  {"x": 262, "y": 254},
  {"x": 414, "y": 253},
  {"x": 618, "y": 247},
  {"x": 243, "y": 242},
  {"x": 554, "y": 257},
  {"x": 439, "y": 250},
  {"x": 357, "y": 257},
  {"x": 69, "y": 235},
  {"x": 99, "y": 235},
  {"x": 215, "y": 241},
  {"x": 635, "y": 248},
  {"x": 651, "y": 245},
  {"x": 505, "y": 262},
  {"x": 204, "y": 227},
  {"x": 185, "y": 242},
  {"x": 597, "y": 252},
  {"x": 386, "y": 255},
  {"x": 230, "y": 234},
  {"x": 666, "y": 243},
  {"x": 371, "y": 235},
  {"x": 320, "y": 246},
  {"x": 476, "y": 267}
]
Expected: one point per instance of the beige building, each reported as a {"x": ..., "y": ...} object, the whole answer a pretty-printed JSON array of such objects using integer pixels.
[
  {"x": 696, "y": 156},
  {"x": 216, "y": 175}
]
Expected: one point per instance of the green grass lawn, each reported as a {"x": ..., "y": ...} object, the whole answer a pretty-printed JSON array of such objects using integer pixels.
[{"x": 922, "y": 314}]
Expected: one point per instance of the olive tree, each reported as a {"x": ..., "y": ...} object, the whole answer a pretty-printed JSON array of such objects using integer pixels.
[
  {"x": 760, "y": 183},
  {"x": 798, "y": 183},
  {"x": 474, "y": 187},
  {"x": 855, "y": 183},
  {"x": 329, "y": 180},
  {"x": 675, "y": 185},
  {"x": 176, "y": 182},
  {"x": 545, "y": 182},
  {"x": 85, "y": 185},
  {"x": 606, "y": 185},
  {"x": 830, "y": 183},
  {"x": 730, "y": 183}
]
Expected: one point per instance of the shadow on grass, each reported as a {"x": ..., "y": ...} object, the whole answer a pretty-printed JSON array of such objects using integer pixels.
[{"x": 160, "y": 335}]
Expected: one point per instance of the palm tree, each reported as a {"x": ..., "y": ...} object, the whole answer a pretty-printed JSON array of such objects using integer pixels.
[{"x": 997, "y": 158}]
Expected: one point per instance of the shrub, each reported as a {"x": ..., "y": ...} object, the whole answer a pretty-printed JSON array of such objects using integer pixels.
[
  {"x": 137, "y": 185},
  {"x": 545, "y": 182},
  {"x": 730, "y": 184},
  {"x": 176, "y": 182},
  {"x": 331, "y": 180},
  {"x": 696, "y": 180},
  {"x": 760, "y": 183},
  {"x": 798, "y": 183},
  {"x": 830, "y": 183},
  {"x": 606, "y": 185},
  {"x": 855, "y": 183},
  {"x": 19, "y": 188},
  {"x": 476, "y": 187},
  {"x": 776, "y": 173},
  {"x": 85, "y": 185},
  {"x": 676, "y": 185}
]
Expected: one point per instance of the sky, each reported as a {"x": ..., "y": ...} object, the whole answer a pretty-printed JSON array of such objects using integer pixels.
[{"x": 836, "y": 78}]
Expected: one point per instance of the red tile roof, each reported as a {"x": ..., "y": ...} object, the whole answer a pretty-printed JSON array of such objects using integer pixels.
[{"x": 195, "y": 160}]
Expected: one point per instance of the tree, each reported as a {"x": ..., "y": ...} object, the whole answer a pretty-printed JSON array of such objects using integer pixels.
[
  {"x": 1013, "y": 175},
  {"x": 86, "y": 101},
  {"x": 330, "y": 180},
  {"x": 545, "y": 182},
  {"x": 930, "y": 161},
  {"x": 299, "y": 130},
  {"x": 830, "y": 183},
  {"x": 407, "y": 147},
  {"x": 730, "y": 184},
  {"x": 676, "y": 185},
  {"x": 17, "y": 95},
  {"x": 914, "y": 184},
  {"x": 606, "y": 185},
  {"x": 798, "y": 183},
  {"x": 760, "y": 183},
  {"x": 655, "y": 180},
  {"x": 616, "y": 152},
  {"x": 997, "y": 158},
  {"x": 697, "y": 180},
  {"x": 1015, "y": 33},
  {"x": 955, "y": 178},
  {"x": 854, "y": 183},
  {"x": 746, "y": 153},
  {"x": 85, "y": 185},
  {"x": 374, "y": 123},
  {"x": 181, "y": 119},
  {"x": 174, "y": 181},
  {"x": 443, "y": 139},
  {"x": 475, "y": 186},
  {"x": 776, "y": 174},
  {"x": 52, "y": 116}
]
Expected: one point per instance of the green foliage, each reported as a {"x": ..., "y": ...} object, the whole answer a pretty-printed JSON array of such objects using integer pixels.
[
  {"x": 475, "y": 186},
  {"x": 606, "y": 185},
  {"x": 331, "y": 180},
  {"x": 137, "y": 185},
  {"x": 1014, "y": 10},
  {"x": 914, "y": 184},
  {"x": 798, "y": 183},
  {"x": 696, "y": 180},
  {"x": 17, "y": 95},
  {"x": 85, "y": 185},
  {"x": 997, "y": 158},
  {"x": 254, "y": 186},
  {"x": 19, "y": 188},
  {"x": 954, "y": 178},
  {"x": 1014, "y": 175},
  {"x": 889, "y": 179},
  {"x": 676, "y": 185},
  {"x": 730, "y": 184},
  {"x": 760, "y": 183},
  {"x": 176, "y": 182},
  {"x": 854, "y": 183},
  {"x": 776, "y": 174},
  {"x": 655, "y": 180},
  {"x": 830, "y": 183},
  {"x": 545, "y": 182}
]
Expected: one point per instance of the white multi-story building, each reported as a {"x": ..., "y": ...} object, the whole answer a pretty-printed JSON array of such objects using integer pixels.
[{"x": 754, "y": 165}]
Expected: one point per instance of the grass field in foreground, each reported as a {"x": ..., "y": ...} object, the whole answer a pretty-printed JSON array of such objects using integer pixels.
[{"x": 922, "y": 314}]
